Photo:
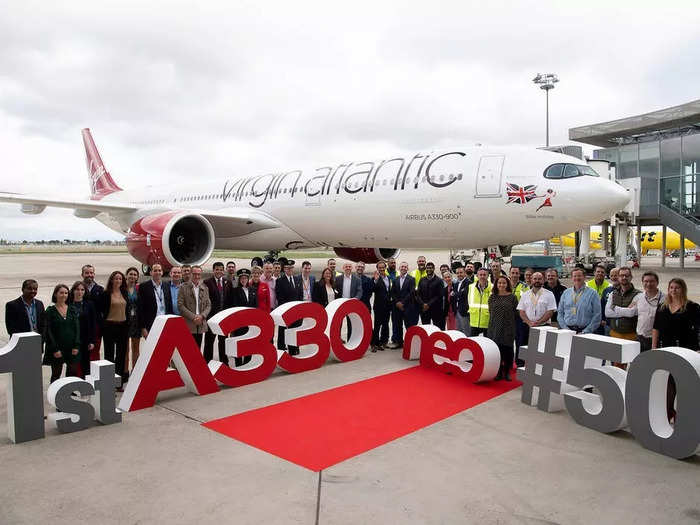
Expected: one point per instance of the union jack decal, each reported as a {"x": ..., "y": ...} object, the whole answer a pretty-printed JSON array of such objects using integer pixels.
[{"x": 520, "y": 195}]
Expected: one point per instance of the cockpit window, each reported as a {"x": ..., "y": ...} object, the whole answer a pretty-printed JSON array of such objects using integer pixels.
[{"x": 568, "y": 171}]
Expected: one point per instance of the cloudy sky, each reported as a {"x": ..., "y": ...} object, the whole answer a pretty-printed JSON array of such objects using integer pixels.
[{"x": 183, "y": 91}]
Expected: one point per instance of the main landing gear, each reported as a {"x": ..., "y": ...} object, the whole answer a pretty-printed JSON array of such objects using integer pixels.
[{"x": 259, "y": 261}]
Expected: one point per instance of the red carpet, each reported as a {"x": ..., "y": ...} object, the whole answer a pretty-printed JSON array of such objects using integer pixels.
[{"x": 320, "y": 430}]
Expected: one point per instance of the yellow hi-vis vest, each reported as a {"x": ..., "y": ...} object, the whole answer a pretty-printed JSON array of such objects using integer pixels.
[
  {"x": 479, "y": 305},
  {"x": 417, "y": 275}
]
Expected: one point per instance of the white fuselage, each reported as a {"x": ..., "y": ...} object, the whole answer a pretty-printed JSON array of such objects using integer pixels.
[{"x": 449, "y": 199}]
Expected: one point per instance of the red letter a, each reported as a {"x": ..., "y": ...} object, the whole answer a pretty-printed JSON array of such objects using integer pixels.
[{"x": 169, "y": 339}]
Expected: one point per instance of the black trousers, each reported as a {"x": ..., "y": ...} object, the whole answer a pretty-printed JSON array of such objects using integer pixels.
[
  {"x": 506, "y": 357},
  {"x": 478, "y": 331},
  {"x": 380, "y": 333},
  {"x": 116, "y": 339},
  {"x": 435, "y": 316},
  {"x": 209, "y": 347},
  {"x": 281, "y": 343},
  {"x": 84, "y": 361}
]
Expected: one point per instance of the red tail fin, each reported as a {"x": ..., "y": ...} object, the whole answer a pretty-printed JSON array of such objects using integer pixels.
[{"x": 101, "y": 182}]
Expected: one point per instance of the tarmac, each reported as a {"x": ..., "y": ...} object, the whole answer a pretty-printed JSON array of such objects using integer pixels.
[{"x": 499, "y": 462}]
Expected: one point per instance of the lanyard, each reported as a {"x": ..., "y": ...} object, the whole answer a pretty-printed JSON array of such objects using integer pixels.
[
  {"x": 31, "y": 313},
  {"x": 578, "y": 295}
]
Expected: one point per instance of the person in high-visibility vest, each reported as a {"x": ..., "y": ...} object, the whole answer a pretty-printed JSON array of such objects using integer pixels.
[
  {"x": 522, "y": 331},
  {"x": 516, "y": 284},
  {"x": 479, "y": 293},
  {"x": 419, "y": 272},
  {"x": 599, "y": 283}
]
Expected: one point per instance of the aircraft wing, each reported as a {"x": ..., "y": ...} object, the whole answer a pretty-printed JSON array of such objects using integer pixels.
[
  {"x": 228, "y": 222},
  {"x": 36, "y": 204}
]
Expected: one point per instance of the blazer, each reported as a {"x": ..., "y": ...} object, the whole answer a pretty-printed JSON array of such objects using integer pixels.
[
  {"x": 94, "y": 297},
  {"x": 187, "y": 304},
  {"x": 404, "y": 294},
  {"x": 239, "y": 298},
  {"x": 147, "y": 306},
  {"x": 319, "y": 295},
  {"x": 17, "y": 320},
  {"x": 460, "y": 298},
  {"x": 382, "y": 295},
  {"x": 284, "y": 291},
  {"x": 87, "y": 318},
  {"x": 219, "y": 301},
  {"x": 367, "y": 285},
  {"x": 299, "y": 281},
  {"x": 355, "y": 286}
]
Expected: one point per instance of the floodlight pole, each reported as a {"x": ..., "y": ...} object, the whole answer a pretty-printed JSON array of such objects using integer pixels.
[{"x": 546, "y": 81}]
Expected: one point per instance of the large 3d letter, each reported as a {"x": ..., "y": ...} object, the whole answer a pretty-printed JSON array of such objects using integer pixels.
[
  {"x": 25, "y": 392},
  {"x": 73, "y": 414},
  {"x": 361, "y": 322},
  {"x": 645, "y": 397},
  {"x": 474, "y": 359},
  {"x": 255, "y": 343},
  {"x": 309, "y": 335},
  {"x": 416, "y": 338},
  {"x": 104, "y": 381},
  {"x": 168, "y": 339},
  {"x": 604, "y": 412}
]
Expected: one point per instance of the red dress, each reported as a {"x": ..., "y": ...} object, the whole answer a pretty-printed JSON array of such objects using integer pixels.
[{"x": 263, "y": 297}]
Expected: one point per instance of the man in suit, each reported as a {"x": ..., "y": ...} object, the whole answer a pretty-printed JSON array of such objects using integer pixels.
[
  {"x": 403, "y": 298},
  {"x": 367, "y": 284},
  {"x": 431, "y": 293},
  {"x": 287, "y": 289},
  {"x": 221, "y": 297},
  {"x": 93, "y": 294},
  {"x": 306, "y": 281},
  {"x": 153, "y": 299},
  {"x": 26, "y": 313},
  {"x": 350, "y": 287},
  {"x": 460, "y": 301},
  {"x": 195, "y": 306},
  {"x": 381, "y": 287}
]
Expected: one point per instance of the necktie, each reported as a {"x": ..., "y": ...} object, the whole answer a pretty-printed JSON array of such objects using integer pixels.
[
  {"x": 218, "y": 285},
  {"x": 291, "y": 281}
]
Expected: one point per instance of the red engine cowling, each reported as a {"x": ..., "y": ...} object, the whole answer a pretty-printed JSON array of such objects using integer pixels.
[
  {"x": 171, "y": 239},
  {"x": 367, "y": 255}
]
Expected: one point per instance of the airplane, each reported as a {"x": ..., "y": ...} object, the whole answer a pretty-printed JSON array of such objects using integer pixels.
[
  {"x": 651, "y": 240},
  {"x": 366, "y": 210}
]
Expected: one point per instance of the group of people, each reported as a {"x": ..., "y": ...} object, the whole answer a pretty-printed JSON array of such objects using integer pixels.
[{"x": 485, "y": 302}]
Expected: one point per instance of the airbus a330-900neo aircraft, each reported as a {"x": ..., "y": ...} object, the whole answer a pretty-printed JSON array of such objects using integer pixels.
[{"x": 367, "y": 210}]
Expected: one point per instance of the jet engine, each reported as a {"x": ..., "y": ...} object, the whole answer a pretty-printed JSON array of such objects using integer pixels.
[
  {"x": 367, "y": 255},
  {"x": 171, "y": 239}
]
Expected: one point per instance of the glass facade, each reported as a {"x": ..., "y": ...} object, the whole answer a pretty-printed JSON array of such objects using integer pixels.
[{"x": 669, "y": 169}]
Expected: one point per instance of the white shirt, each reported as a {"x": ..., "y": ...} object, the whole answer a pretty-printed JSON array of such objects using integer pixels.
[
  {"x": 643, "y": 307},
  {"x": 330, "y": 293},
  {"x": 401, "y": 280},
  {"x": 347, "y": 281},
  {"x": 306, "y": 284},
  {"x": 536, "y": 306},
  {"x": 245, "y": 291},
  {"x": 195, "y": 289},
  {"x": 160, "y": 303}
]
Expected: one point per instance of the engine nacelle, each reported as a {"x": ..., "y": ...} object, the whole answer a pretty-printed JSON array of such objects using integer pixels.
[
  {"x": 171, "y": 239},
  {"x": 367, "y": 255}
]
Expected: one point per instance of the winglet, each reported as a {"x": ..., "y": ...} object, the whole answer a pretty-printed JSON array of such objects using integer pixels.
[{"x": 101, "y": 182}]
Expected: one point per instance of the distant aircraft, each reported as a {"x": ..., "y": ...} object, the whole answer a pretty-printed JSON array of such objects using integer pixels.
[
  {"x": 366, "y": 210},
  {"x": 651, "y": 240}
]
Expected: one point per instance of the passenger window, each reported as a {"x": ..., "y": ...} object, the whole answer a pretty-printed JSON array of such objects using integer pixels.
[
  {"x": 554, "y": 171},
  {"x": 570, "y": 171}
]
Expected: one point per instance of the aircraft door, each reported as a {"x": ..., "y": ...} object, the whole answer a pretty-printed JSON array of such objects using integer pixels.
[{"x": 488, "y": 179}]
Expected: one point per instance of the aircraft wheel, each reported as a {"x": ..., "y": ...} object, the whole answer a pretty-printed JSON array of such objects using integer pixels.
[{"x": 256, "y": 261}]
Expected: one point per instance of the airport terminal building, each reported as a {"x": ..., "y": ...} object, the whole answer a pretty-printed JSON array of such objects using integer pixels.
[{"x": 661, "y": 150}]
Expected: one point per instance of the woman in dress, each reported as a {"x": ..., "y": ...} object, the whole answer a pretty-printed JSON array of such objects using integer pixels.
[
  {"x": 324, "y": 289},
  {"x": 451, "y": 323},
  {"x": 676, "y": 324},
  {"x": 62, "y": 335},
  {"x": 87, "y": 319},
  {"x": 132, "y": 322},
  {"x": 501, "y": 330},
  {"x": 262, "y": 291},
  {"x": 115, "y": 331}
]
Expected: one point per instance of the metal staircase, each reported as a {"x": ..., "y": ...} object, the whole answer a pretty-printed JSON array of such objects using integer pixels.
[{"x": 686, "y": 225}]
